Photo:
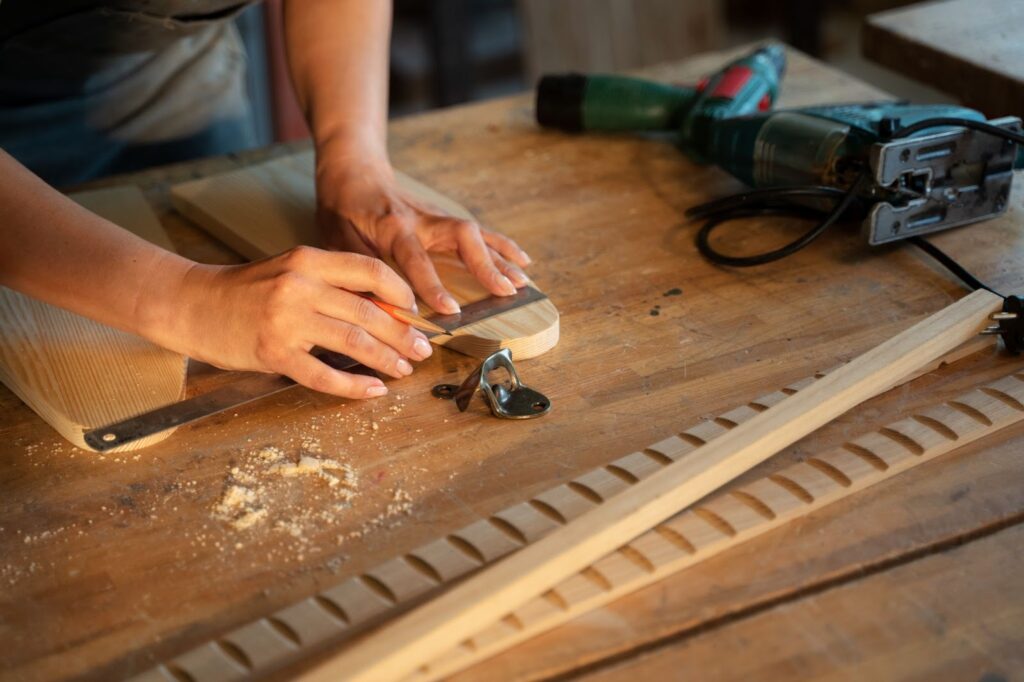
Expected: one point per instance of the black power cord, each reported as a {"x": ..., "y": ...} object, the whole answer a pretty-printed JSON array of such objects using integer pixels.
[{"x": 778, "y": 201}]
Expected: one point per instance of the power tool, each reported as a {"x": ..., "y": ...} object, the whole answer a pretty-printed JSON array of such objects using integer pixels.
[
  {"x": 576, "y": 103},
  {"x": 911, "y": 169}
]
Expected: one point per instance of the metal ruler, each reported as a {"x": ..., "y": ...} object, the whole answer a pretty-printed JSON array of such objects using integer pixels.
[{"x": 254, "y": 387}]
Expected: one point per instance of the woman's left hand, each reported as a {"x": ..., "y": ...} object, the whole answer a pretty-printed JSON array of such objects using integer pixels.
[{"x": 361, "y": 208}]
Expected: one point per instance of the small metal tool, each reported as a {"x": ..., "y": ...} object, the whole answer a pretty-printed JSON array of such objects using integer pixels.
[{"x": 513, "y": 401}]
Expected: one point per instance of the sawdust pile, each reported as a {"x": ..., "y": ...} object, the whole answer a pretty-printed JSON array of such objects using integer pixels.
[{"x": 260, "y": 490}]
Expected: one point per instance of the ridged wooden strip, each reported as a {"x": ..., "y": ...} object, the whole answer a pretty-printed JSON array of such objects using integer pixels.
[
  {"x": 566, "y": 501},
  {"x": 494, "y": 633},
  {"x": 401, "y": 580},
  {"x": 673, "y": 447},
  {"x": 536, "y": 611},
  {"x": 602, "y": 482},
  {"x": 854, "y": 467},
  {"x": 697, "y": 531},
  {"x": 814, "y": 481},
  {"x": 780, "y": 501},
  {"x": 450, "y": 556},
  {"x": 530, "y": 522},
  {"x": 636, "y": 464},
  {"x": 357, "y": 600},
  {"x": 770, "y": 399},
  {"x": 208, "y": 662},
  {"x": 580, "y": 587},
  {"x": 485, "y": 537},
  {"x": 740, "y": 414},
  {"x": 706, "y": 431},
  {"x": 732, "y": 511},
  {"x": 883, "y": 447},
  {"x": 311, "y": 622},
  {"x": 494, "y": 537},
  {"x": 655, "y": 548},
  {"x": 857, "y": 470},
  {"x": 261, "y": 643},
  {"x": 917, "y": 432},
  {"x": 617, "y": 568}
]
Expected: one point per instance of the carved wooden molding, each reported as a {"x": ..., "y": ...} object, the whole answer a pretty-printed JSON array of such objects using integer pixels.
[{"x": 336, "y": 614}]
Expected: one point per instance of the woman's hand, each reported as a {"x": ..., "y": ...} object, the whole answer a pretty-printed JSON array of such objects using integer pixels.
[
  {"x": 361, "y": 208},
  {"x": 267, "y": 315}
]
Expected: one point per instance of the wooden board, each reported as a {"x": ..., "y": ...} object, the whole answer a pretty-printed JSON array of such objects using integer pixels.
[
  {"x": 269, "y": 208},
  {"x": 78, "y": 374},
  {"x": 400, "y": 648},
  {"x": 344, "y": 610},
  {"x": 971, "y": 49}
]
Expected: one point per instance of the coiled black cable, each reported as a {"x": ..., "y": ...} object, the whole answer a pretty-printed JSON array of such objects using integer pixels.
[{"x": 778, "y": 201}]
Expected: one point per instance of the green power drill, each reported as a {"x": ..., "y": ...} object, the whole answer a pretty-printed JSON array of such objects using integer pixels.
[{"x": 914, "y": 169}]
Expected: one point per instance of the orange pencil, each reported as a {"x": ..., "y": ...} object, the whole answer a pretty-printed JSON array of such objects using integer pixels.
[{"x": 408, "y": 316}]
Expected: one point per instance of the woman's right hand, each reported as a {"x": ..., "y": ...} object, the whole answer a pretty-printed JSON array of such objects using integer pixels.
[{"x": 266, "y": 316}]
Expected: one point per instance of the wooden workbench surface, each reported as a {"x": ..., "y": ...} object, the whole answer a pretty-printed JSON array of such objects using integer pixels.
[{"x": 108, "y": 564}]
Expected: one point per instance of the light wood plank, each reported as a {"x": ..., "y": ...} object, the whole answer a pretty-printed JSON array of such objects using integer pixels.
[{"x": 78, "y": 374}]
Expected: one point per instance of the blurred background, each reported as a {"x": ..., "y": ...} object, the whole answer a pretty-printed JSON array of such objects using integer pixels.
[{"x": 447, "y": 52}]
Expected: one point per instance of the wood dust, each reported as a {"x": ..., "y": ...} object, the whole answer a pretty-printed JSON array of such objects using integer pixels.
[{"x": 274, "y": 502}]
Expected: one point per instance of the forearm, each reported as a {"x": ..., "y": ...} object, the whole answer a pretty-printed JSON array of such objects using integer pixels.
[
  {"x": 56, "y": 251},
  {"x": 338, "y": 56}
]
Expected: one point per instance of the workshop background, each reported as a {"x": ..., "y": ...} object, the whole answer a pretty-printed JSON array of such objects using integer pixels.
[{"x": 447, "y": 52}]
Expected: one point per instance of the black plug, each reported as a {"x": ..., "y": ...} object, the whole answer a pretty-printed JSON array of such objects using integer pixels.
[{"x": 1011, "y": 324}]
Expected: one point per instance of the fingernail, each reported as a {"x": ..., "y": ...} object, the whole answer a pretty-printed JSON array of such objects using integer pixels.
[
  {"x": 526, "y": 257},
  {"x": 376, "y": 391},
  {"x": 505, "y": 284},
  {"x": 520, "y": 279},
  {"x": 415, "y": 308},
  {"x": 422, "y": 348},
  {"x": 449, "y": 304},
  {"x": 404, "y": 368}
]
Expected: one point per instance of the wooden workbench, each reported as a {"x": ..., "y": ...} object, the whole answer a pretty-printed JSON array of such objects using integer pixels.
[
  {"x": 108, "y": 564},
  {"x": 970, "y": 49}
]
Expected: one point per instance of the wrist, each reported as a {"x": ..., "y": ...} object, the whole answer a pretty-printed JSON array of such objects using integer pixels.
[
  {"x": 351, "y": 148},
  {"x": 166, "y": 309}
]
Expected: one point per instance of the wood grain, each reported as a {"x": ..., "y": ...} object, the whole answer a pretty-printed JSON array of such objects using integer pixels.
[
  {"x": 971, "y": 49},
  {"x": 400, "y": 648},
  {"x": 269, "y": 208},
  {"x": 78, "y": 374}
]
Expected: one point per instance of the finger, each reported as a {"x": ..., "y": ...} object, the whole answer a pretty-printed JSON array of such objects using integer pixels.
[
  {"x": 358, "y": 344},
  {"x": 417, "y": 266},
  {"x": 477, "y": 257},
  {"x": 347, "y": 307},
  {"x": 356, "y": 272},
  {"x": 311, "y": 373},
  {"x": 510, "y": 270},
  {"x": 506, "y": 247}
]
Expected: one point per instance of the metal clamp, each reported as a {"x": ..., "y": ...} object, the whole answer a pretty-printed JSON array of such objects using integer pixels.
[{"x": 513, "y": 401}]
